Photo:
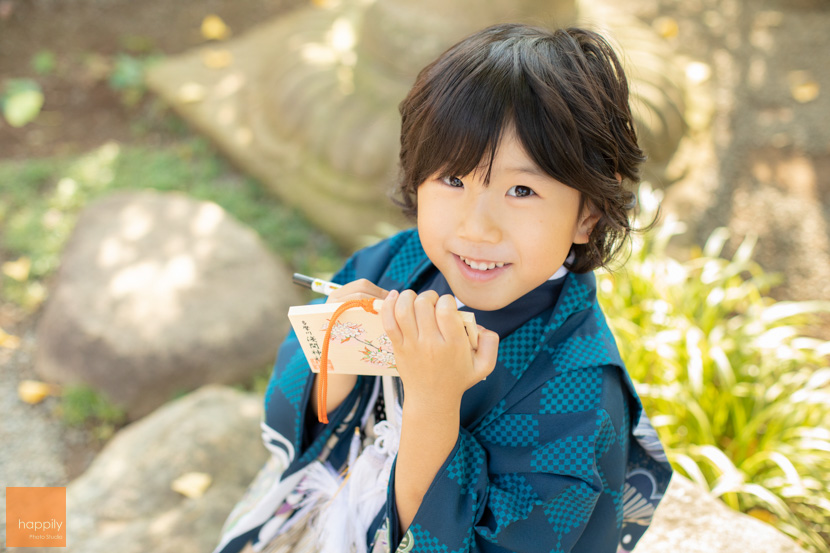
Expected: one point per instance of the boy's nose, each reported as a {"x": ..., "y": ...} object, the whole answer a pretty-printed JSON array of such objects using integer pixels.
[{"x": 478, "y": 222}]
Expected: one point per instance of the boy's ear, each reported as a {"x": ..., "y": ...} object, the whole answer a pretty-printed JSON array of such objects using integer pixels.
[{"x": 586, "y": 223}]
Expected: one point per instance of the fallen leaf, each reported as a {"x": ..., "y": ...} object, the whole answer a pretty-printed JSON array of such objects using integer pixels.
[
  {"x": 803, "y": 87},
  {"x": 192, "y": 484},
  {"x": 8, "y": 341},
  {"x": 805, "y": 92},
  {"x": 213, "y": 28},
  {"x": 189, "y": 93},
  {"x": 18, "y": 270},
  {"x": 666, "y": 27},
  {"x": 33, "y": 392},
  {"x": 217, "y": 58}
]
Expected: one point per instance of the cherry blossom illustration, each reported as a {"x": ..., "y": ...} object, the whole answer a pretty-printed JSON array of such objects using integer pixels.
[{"x": 375, "y": 352}]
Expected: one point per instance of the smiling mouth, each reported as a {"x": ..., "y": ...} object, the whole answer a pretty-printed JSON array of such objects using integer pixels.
[{"x": 482, "y": 265}]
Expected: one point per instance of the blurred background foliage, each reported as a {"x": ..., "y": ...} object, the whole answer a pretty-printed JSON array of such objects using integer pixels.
[{"x": 739, "y": 392}]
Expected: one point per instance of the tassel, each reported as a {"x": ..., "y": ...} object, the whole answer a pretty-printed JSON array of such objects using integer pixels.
[
  {"x": 346, "y": 519},
  {"x": 322, "y": 387}
]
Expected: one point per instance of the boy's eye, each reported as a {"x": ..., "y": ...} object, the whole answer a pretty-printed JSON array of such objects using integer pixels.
[
  {"x": 455, "y": 182},
  {"x": 520, "y": 191}
]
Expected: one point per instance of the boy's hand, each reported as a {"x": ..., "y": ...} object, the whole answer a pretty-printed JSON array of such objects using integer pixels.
[
  {"x": 432, "y": 352},
  {"x": 340, "y": 385},
  {"x": 357, "y": 290}
]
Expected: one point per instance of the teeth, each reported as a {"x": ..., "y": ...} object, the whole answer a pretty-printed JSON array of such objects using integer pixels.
[{"x": 481, "y": 266}]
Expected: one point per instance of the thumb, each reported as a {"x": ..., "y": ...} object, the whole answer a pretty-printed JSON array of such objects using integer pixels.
[{"x": 484, "y": 358}]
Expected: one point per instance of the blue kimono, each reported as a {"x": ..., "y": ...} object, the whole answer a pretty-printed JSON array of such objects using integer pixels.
[{"x": 554, "y": 452}]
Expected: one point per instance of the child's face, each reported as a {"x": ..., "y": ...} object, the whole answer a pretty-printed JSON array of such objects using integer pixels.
[{"x": 496, "y": 243}]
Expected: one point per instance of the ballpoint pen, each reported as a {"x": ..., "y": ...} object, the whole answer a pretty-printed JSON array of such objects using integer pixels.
[{"x": 315, "y": 284}]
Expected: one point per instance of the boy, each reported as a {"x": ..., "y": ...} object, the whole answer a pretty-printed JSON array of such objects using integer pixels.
[{"x": 515, "y": 145}]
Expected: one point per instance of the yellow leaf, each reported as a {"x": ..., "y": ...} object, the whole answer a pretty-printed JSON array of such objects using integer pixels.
[
  {"x": 8, "y": 341},
  {"x": 18, "y": 270},
  {"x": 190, "y": 93},
  {"x": 803, "y": 86},
  {"x": 213, "y": 28},
  {"x": 666, "y": 27},
  {"x": 192, "y": 484},
  {"x": 32, "y": 391},
  {"x": 217, "y": 58},
  {"x": 805, "y": 92}
]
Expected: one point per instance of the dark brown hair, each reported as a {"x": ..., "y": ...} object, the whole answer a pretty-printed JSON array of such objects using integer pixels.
[{"x": 565, "y": 94}]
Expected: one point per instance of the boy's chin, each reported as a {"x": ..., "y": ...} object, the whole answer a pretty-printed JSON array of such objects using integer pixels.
[{"x": 484, "y": 303}]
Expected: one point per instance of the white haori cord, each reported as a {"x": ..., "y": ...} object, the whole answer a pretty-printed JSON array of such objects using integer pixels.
[
  {"x": 347, "y": 516},
  {"x": 347, "y": 506},
  {"x": 350, "y": 504}
]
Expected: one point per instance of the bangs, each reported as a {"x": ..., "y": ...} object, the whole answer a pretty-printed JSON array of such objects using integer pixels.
[
  {"x": 464, "y": 135},
  {"x": 473, "y": 100}
]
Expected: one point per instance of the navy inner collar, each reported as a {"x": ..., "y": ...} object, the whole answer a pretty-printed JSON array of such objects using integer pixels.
[{"x": 507, "y": 319}]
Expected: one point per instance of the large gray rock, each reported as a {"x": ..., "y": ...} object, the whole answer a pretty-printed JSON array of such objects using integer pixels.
[
  {"x": 690, "y": 520},
  {"x": 124, "y": 501},
  {"x": 158, "y": 294}
]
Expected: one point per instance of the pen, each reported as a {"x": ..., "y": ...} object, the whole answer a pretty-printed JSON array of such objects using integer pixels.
[{"x": 315, "y": 284}]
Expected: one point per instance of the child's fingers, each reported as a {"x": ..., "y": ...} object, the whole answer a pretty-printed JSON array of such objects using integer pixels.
[
  {"x": 424, "y": 306},
  {"x": 449, "y": 322},
  {"x": 387, "y": 317},
  {"x": 356, "y": 290},
  {"x": 484, "y": 358},
  {"x": 405, "y": 314}
]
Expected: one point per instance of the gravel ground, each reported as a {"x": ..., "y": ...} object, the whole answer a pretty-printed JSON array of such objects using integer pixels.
[{"x": 33, "y": 444}]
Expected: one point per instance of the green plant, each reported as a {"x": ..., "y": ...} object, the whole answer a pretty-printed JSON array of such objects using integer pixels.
[
  {"x": 127, "y": 77},
  {"x": 82, "y": 405},
  {"x": 739, "y": 395},
  {"x": 44, "y": 62},
  {"x": 21, "y": 101}
]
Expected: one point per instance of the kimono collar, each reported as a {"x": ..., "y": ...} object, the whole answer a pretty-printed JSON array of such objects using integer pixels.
[{"x": 507, "y": 319}]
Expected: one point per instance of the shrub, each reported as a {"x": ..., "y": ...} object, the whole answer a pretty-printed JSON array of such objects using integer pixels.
[{"x": 739, "y": 394}]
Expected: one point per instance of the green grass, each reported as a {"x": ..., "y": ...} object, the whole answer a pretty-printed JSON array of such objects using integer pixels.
[
  {"x": 82, "y": 406},
  {"x": 739, "y": 394},
  {"x": 40, "y": 200}
]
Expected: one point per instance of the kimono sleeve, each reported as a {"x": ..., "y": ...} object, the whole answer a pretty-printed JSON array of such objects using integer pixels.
[{"x": 538, "y": 477}]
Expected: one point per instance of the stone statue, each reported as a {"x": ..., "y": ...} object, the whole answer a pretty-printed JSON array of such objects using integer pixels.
[{"x": 308, "y": 102}]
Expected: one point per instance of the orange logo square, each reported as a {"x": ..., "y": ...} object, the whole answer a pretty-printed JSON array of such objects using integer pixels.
[{"x": 35, "y": 517}]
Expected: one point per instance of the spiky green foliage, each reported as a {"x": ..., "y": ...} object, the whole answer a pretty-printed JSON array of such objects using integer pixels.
[{"x": 739, "y": 394}]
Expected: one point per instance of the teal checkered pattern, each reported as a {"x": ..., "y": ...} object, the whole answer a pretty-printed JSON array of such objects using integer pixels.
[
  {"x": 513, "y": 430},
  {"x": 407, "y": 258},
  {"x": 572, "y": 392},
  {"x": 573, "y": 456},
  {"x": 466, "y": 464}
]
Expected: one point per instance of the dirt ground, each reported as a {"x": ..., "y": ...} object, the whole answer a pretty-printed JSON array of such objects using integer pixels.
[{"x": 81, "y": 110}]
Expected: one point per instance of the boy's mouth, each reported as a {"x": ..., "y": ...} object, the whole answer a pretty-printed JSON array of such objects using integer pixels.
[{"x": 481, "y": 265}]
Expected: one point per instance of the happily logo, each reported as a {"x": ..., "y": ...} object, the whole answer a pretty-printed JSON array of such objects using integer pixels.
[{"x": 35, "y": 517}]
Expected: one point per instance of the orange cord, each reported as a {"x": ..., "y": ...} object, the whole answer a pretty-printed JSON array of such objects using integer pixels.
[{"x": 322, "y": 387}]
